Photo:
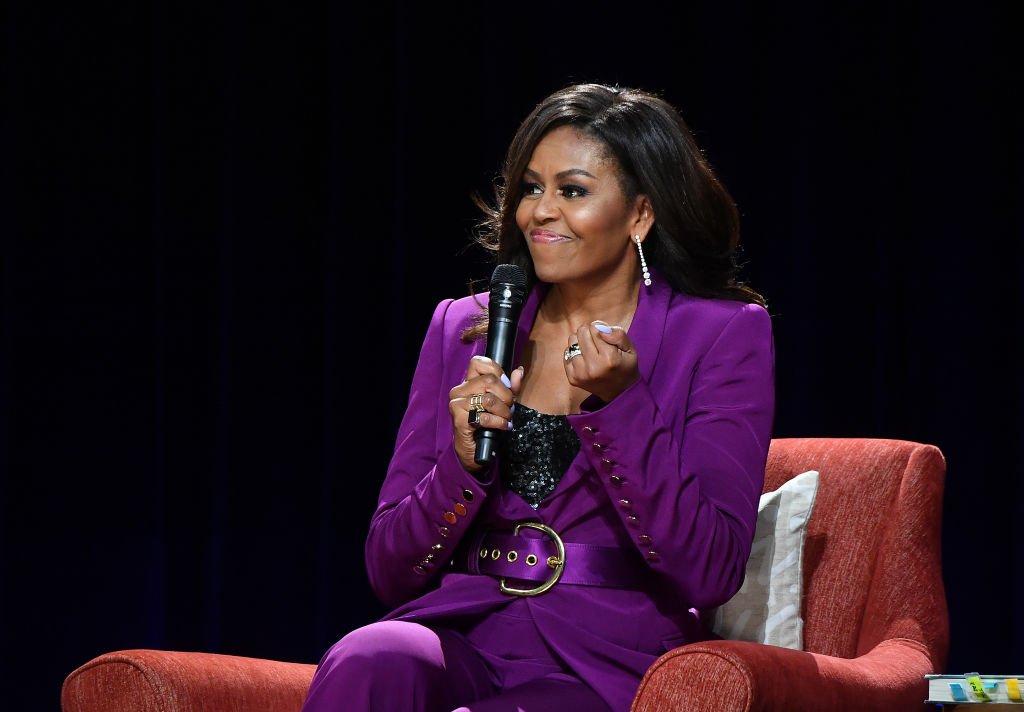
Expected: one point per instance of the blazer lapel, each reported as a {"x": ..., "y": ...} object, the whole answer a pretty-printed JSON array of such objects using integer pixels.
[
  {"x": 647, "y": 330},
  {"x": 526, "y": 319}
]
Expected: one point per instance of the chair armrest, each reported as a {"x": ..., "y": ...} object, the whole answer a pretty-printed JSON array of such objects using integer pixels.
[
  {"x": 166, "y": 681},
  {"x": 733, "y": 676}
]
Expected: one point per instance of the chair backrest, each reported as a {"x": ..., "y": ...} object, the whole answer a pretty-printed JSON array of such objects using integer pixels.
[{"x": 872, "y": 557}]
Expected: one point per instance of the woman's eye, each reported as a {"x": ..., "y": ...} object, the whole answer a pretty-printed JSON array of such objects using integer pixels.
[
  {"x": 532, "y": 189},
  {"x": 573, "y": 191}
]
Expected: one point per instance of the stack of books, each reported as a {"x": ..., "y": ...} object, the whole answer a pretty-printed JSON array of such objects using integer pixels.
[{"x": 998, "y": 691}]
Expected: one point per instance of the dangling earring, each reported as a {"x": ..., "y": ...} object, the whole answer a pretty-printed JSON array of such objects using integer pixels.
[{"x": 643, "y": 262}]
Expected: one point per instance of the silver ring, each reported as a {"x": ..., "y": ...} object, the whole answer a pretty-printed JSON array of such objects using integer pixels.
[{"x": 572, "y": 352}]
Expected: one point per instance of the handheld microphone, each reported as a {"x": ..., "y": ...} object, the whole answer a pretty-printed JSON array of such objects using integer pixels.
[{"x": 508, "y": 286}]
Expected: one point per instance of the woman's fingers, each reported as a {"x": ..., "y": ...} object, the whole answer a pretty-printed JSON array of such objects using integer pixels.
[
  {"x": 613, "y": 335},
  {"x": 606, "y": 364},
  {"x": 516, "y": 384},
  {"x": 479, "y": 365},
  {"x": 601, "y": 346},
  {"x": 485, "y": 377},
  {"x": 483, "y": 400},
  {"x": 485, "y": 403}
]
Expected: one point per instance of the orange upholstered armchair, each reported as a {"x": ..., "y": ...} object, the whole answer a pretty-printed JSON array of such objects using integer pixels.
[{"x": 874, "y": 608}]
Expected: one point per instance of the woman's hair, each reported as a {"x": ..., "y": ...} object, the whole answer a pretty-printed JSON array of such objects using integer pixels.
[{"x": 695, "y": 237}]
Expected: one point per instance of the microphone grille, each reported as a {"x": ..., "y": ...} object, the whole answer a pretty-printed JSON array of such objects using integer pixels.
[{"x": 509, "y": 274}]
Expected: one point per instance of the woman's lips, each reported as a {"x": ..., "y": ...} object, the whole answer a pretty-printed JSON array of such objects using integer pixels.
[{"x": 546, "y": 236}]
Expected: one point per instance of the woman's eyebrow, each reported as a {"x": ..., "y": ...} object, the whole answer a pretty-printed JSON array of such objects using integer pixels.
[{"x": 563, "y": 174}]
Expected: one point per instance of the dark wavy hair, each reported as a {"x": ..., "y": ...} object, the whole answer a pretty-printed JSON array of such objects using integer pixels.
[{"x": 696, "y": 233}]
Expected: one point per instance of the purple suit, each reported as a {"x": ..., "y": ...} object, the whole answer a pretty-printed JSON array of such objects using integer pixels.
[{"x": 685, "y": 447}]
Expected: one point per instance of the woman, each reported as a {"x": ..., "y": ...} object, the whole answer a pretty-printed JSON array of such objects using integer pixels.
[{"x": 639, "y": 412}]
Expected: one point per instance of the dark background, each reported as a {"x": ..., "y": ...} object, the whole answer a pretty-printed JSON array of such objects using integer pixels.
[{"x": 225, "y": 228}]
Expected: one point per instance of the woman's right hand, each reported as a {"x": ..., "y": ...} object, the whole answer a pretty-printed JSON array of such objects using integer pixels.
[{"x": 483, "y": 377}]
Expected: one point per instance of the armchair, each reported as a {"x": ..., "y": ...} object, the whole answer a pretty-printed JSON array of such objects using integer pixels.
[{"x": 874, "y": 607}]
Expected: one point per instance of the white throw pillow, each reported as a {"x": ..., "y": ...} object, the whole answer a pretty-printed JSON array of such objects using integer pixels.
[{"x": 766, "y": 609}]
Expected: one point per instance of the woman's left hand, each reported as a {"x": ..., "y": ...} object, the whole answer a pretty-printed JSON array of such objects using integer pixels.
[{"x": 606, "y": 364}]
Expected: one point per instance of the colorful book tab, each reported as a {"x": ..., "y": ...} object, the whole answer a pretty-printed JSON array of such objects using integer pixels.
[
  {"x": 957, "y": 690},
  {"x": 974, "y": 680},
  {"x": 1013, "y": 689}
]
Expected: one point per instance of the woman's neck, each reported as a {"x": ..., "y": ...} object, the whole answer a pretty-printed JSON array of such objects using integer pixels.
[{"x": 613, "y": 302}]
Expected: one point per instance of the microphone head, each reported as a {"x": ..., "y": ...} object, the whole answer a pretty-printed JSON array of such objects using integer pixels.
[{"x": 509, "y": 274}]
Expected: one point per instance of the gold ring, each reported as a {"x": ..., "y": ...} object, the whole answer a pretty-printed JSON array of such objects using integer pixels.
[
  {"x": 572, "y": 352},
  {"x": 476, "y": 402}
]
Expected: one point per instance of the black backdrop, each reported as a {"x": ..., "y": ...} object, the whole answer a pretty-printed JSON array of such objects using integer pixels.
[{"x": 225, "y": 227}]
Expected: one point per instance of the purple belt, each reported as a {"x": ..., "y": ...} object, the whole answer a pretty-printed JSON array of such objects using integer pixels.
[{"x": 545, "y": 558}]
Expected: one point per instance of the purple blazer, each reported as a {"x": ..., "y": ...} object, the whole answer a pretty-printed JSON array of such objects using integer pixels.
[{"x": 686, "y": 446}]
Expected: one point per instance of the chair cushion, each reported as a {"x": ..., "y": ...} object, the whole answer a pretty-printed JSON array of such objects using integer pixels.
[{"x": 766, "y": 609}]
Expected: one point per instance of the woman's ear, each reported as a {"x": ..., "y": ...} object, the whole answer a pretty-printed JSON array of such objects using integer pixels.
[{"x": 643, "y": 220}]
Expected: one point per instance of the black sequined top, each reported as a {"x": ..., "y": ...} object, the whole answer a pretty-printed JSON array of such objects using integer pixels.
[{"x": 537, "y": 452}]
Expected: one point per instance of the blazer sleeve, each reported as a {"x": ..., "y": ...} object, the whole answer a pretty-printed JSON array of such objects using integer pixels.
[
  {"x": 427, "y": 500},
  {"x": 687, "y": 488}
]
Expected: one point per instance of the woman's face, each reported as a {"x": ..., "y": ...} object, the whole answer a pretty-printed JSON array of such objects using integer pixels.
[{"x": 573, "y": 213}]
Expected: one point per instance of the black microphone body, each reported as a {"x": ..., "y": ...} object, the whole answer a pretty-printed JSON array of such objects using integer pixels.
[{"x": 508, "y": 288}]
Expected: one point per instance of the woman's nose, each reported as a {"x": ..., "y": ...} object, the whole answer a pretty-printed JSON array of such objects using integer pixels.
[{"x": 546, "y": 207}]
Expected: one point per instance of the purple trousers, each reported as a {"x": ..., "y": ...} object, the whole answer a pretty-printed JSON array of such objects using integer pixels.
[{"x": 500, "y": 664}]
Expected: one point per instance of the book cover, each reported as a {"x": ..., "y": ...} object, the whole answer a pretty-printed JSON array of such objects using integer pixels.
[
  {"x": 974, "y": 688},
  {"x": 962, "y": 706}
]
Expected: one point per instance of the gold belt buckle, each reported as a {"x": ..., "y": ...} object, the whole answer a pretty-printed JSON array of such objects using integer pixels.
[{"x": 554, "y": 562}]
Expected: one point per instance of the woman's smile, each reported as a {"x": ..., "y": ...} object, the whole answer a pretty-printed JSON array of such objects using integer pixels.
[{"x": 547, "y": 237}]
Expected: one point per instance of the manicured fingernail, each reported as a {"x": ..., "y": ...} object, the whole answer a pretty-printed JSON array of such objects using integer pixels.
[
  {"x": 603, "y": 328},
  {"x": 510, "y": 425},
  {"x": 504, "y": 379}
]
